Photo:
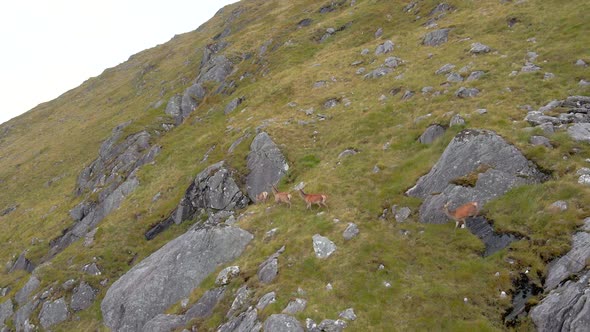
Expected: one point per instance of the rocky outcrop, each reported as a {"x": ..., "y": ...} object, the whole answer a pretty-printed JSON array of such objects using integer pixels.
[
  {"x": 571, "y": 263},
  {"x": 23, "y": 314},
  {"x": 214, "y": 190},
  {"x": 492, "y": 240},
  {"x": 246, "y": 321},
  {"x": 477, "y": 165},
  {"x": 169, "y": 275},
  {"x": 566, "y": 308},
  {"x": 267, "y": 165},
  {"x": 163, "y": 323},
  {"x": 204, "y": 307},
  {"x": 111, "y": 178}
]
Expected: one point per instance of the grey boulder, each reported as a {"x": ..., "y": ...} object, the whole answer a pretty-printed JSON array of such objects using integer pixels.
[
  {"x": 322, "y": 246},
  {"x": 83, "y": 297},
  {"x": 266, "y": 163},
  {"x": 282, "y": 323},
  {"x": 269, "y": 269},
  {"x": 477, "y": 48},
  {"x": 565, "y": 308},
  {"x": 22, "y": 263},
  {"x": 53, "y": 312},
  {"x": 163, "y": 323},
  {"x": 169, "y": 275},
  {"x": 431, "y": 134},
  {"x": 436, "y": 37},
  {"x": 351, "y": 231},
  {"x": 464, "y": 92},
  {"x": 247, "y": 321},
  {"x": 295, "y": 306},
  {"x": 265, "y": 300},
  {"x": 205, "y": 305},
  {"x": 23, "y": 294},
  {"x": 580, "y": 132},
  {"x": 572, "y": 262}
]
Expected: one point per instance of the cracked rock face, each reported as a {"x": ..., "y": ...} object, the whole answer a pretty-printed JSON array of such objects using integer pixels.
[
  {"x": 169, "y": 275},
  {"x": 566, "y": 308},
  {"x": 572, "y": 262}
]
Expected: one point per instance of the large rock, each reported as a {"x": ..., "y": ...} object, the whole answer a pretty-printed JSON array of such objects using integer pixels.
[
  {"x": 169, "y": 275},
  {"x": 83, "y": 297},
  {"x": 245, "y": 322},
  {"x": 266, "y": 163},
  {"x": 23, "y": 314},
  {"x": 269, "y": 269},
  {"x": 22, "y": 296},
  {"x": 572, "y": 262},
  {"x": 282, "y": 323},
  {"x": 53, "y": 312},
  {"x": 111, "y": 177},
  {"x": 580, "y": 132},
  {"x": 436, "y": 37},
  {"x": 295, "y": 306},
  {"x": 322, "y": 246},
  {"x": 566, "y": 308},
  {"x": 214, "y": 189},
  {"x": 478, "y": 156},
  {"x": 22, "y": 263},
  {"x": 431, "y": 134},
  {"x": 216, "y": 70},
  {"x": 6, "y": 310}
]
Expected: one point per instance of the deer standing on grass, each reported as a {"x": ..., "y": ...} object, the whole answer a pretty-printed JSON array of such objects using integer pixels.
[
  {"x": 461, "y": 213},
  {"x": 319, "y": 199},
  {"x": 262, "y": 197},
  {"x": 281, "y": 197}
]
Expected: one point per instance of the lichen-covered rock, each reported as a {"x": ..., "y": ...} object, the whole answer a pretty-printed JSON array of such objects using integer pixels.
[
  {"x": 322, "y": 246},
  {"x": 566, "y": 308},
  {"x": 23, "y": 314},
  {"x": 431, "y": 134},
  {"x": 83, "y": 297},
  {"x": 436, "y": 37},
  {"x": 282, "y": 323},
  {"x": 464, "y": 92},
  {"x": 267, "y": 165},
  {"x": 481, "y": 155},
  {"x": 384, "y": 48},
  {"x": 53, "y": 312},
  {"x": 226, "y": 275},
  {"x": 241, "y": 301},
  {"x": 348, "y": 314},
  {"x": 478, "y": 48},
  {"x": 169, "y": 275},
  {"x": 572, "y": 262}
]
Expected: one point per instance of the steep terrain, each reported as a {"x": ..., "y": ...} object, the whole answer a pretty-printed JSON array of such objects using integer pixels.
[{"x": 130, "y": 202}]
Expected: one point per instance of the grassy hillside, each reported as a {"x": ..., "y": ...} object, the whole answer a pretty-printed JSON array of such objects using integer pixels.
[{"x": 431, "y": 268}]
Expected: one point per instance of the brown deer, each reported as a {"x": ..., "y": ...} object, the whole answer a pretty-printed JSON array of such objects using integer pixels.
[
  {"x": 262, "y": 197},
  {"x": 461, "y": 213},
  {"x": 281, "y": 197},
  {"x": 319, "y": 199}
]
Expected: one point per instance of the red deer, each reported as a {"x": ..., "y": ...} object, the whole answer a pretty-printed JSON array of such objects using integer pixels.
[
  {"x": 281, "y": 197},
  {"x": 319, "y": 199},
  {"x": 461, "y": 213},
  {"x": 262, "y": 197}
]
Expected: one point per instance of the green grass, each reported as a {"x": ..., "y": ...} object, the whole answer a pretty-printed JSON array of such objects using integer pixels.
[{"x": 431, "y": 270}]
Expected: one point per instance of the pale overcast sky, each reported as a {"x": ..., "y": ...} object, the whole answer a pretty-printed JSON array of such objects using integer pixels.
[{"x": 52, "y": 46}]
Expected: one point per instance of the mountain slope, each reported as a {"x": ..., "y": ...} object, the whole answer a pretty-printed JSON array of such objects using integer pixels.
[{"x": 296, "y": 66}]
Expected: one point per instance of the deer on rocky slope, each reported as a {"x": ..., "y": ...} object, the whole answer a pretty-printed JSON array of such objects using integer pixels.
[
  {"x": 470, "y": 209},
  {"x": 281, "y": 197},
  {"x": 319, "y": 199}
]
